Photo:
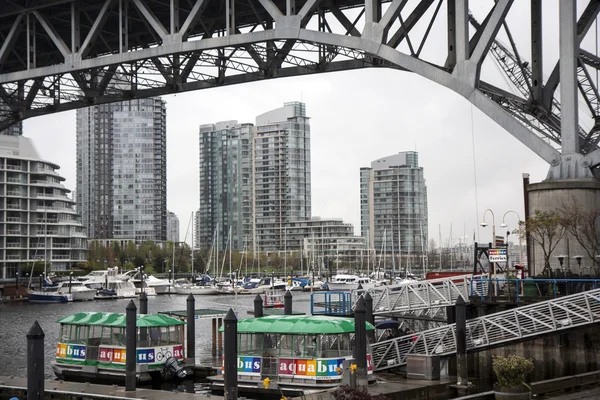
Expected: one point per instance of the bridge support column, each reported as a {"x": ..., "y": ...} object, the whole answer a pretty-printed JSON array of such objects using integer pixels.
[{"x": 553, "y": 195}]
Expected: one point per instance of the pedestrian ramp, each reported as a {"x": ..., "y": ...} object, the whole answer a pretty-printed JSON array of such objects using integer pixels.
[
  {"x": 493, "y": 330},
  {"x": 414, "y": 296}
]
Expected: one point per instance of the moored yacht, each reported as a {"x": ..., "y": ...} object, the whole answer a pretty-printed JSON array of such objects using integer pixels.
[
  {"x": 349, "y": 282},
  {"x": 79, "y": 291},
  {"x": 108, "y": 280}
]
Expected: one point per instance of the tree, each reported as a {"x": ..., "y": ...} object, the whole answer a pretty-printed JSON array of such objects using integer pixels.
[
  {"x": 546, "y": 228},
  {"x": 582, "y": 224}
]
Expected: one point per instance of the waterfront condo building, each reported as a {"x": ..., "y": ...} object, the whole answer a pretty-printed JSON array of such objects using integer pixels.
[
  {"x": 225, "y": 156},
  {"x": 393, "y": 205},
  {"x": 172, "y": 227},
  {"x": 282, "y": 181},
  {"x": 122, "y": 170},
  {"x": 39, "y": 221}
]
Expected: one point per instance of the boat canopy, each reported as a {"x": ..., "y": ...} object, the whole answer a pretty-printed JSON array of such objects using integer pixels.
[
  {"x": 119, "y": 320},
  {"x": 298, "y": 325}
]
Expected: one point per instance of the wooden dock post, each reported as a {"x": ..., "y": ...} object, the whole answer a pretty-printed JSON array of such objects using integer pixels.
[
  {"x": 287, "y": 303},
  {"x": 360, "y": 342},
  {"x": 143, "y": 303},
  {"x": 220, "y": 334},
  {"x": 191, "y": 329},
  {"x": 258, "y": 306},
  {"x": 230, "y": 371},
  {"x": 461, "y": 342},
  {"x": 35, "y": 363},
  {"x": 214, "y": 337},
  {"x": 130, "y": 346},
  {"x": 369, "y": 315}
]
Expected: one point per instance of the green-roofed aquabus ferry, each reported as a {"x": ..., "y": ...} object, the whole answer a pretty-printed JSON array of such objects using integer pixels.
[
  {"x": 299, "y": 354},
  {"x": 92, "y": 346}
]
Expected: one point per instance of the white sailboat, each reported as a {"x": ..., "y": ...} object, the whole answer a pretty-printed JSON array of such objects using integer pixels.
[
  {"x": 48, "y": 292},
  {"x": 203, "y": 287}
]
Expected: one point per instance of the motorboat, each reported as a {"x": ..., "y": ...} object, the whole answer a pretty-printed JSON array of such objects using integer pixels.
[
  {"x": 160, "y": 286},
  {"x": 79, "y": 290},
  {"x": 350, "y": 282},
  {"x": 107, "y": 279},
  {"x": 91, "y": 348},
  {"x": 255, "y": 286},
  {"x": 203, "y": 287},
  {"x": 151, "y": 284},
  {"x": 49, "y": 295},
  {"x": 296, "y": 284},
  {"x": 300, "y": 354}
]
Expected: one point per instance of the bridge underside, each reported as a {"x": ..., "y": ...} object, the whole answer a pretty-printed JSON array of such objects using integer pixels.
[{"x": 58, "y": 55}]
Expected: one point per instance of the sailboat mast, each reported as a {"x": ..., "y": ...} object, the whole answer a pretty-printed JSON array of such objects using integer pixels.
[
  {"x": 45, "y": 242},
  {"x": 193, "y": 246}
]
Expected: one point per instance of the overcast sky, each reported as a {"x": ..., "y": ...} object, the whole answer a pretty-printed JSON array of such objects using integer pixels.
[{"x": 356, "y": 117}]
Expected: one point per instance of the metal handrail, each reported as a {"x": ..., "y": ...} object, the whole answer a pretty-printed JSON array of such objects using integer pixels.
[
  {"x": 519, "y": 323},
  {"x": 552, "y": 287},
  {"x": 420, "y": 295}
]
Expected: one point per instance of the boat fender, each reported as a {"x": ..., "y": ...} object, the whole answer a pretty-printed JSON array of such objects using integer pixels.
[{"x": 174, "y": 368}]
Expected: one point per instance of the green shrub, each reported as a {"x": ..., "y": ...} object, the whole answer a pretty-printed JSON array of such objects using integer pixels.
[{"x": 512, "y": 370}]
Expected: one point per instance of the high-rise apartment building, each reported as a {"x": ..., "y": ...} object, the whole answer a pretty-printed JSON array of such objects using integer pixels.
[
  {"x": 282, "y": 181},
  {"x": 122, "y": 170},
  {"x": 39, "y": 218},
  {"x": 225, "y": 185},
  {"x": 172, "y": 227},
  {"x": 393, "y": 205}
]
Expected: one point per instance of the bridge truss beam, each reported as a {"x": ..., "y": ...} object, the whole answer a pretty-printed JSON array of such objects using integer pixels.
[{"x": 65, "y": 54}]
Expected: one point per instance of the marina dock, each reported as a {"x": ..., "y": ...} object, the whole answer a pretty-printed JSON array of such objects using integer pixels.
[{"x": 60, "y": 390}]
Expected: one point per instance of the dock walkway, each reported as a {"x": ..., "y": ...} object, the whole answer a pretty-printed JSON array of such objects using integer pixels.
[{"x": 60, "y": 390}]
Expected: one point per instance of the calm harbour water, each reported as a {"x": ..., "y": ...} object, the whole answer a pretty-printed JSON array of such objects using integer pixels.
[{"x": 17, "y": 318}]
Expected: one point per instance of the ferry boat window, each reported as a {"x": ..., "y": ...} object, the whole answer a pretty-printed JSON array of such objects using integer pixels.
[
  {"x": 94, "y": 336},
  {"x": 344, "y": 344},
  {"x": 113, "y": 336},
  {"x": 244, "y": 343},
  {"x": 153, "y": 337},
  {"x": 286, "y": 345},
  {"x": 269, "y": 345},
  {"x": 74, "y": 334},
  {"x": 65, "y": 333}
]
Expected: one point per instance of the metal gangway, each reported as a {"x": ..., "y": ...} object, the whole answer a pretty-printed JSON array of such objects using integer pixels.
[
  {"x": 419, "y": 296},
  {"x": 492, "y": 330}
]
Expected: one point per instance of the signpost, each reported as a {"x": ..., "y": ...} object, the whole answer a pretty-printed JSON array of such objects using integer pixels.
[{"x": 497, "y": 255}]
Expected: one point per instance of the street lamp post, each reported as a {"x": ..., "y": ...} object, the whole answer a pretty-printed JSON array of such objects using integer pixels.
[
  {"x": 503, "y": 225},
  {"x": 484, "y": 224}
]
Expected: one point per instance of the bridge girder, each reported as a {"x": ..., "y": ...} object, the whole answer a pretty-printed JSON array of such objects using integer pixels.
[{"x": 65, "y": 54}]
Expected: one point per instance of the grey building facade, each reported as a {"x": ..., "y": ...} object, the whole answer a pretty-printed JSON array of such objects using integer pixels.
[
  {"x": 282, "y": 179},
  {"x": 393, "y": 205},
  {"x": 172, "y": 227},
  {"x": 122, "y": 170},
  {"x": 225, "y": 157},
  {"x": 39, "y": 221}
]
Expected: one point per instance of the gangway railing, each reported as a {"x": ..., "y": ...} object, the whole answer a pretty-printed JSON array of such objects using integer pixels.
[
  {"x": 495, "y": 329},
  {"x": 516, "y": 289},
  {"x": 419, "y": 295}
]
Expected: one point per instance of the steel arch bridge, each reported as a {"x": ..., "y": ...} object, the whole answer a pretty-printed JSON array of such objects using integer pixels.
[{"x": 59, "y": 55}]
